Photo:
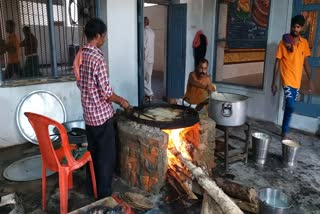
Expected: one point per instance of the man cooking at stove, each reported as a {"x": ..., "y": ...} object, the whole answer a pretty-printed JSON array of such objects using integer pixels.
[
  {"x": 199, "y": 86},
  {"x": 97, "y": 97}
]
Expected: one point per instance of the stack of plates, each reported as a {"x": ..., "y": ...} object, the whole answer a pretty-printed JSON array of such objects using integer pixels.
[{"x": 136, "y": 201}]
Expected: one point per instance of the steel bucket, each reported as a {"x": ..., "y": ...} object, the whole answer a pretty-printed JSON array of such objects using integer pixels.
[
  {"x": 273, "y": 201},
  {"x": 260, "y": 144},
  {"x": 289, "y": 152}
]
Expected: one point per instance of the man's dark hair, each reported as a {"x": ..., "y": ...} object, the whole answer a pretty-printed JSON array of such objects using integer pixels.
[
  {"x": 298, "y": 19},
  {"x": 201, "y": 61},
  {"x": 26, "y": 29},
  {"x": 94, "y": 27}
]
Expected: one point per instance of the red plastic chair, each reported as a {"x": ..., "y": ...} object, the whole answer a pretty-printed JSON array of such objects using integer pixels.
[{"x": 52, "y": 159}]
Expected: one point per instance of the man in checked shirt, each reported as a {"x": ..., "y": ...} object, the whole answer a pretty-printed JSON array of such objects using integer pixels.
[{"x": 96, "y": 98}]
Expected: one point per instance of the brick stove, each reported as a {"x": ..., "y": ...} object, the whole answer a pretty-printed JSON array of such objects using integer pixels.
[{"x": 143, "y": 151}]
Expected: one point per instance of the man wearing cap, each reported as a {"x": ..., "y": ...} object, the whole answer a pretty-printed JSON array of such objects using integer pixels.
[{"x": 291, "y": 58}]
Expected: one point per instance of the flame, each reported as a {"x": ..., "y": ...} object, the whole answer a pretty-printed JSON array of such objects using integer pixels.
[{"x": 178, "y": 140}]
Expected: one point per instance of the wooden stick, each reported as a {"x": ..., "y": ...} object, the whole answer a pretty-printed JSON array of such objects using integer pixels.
[
  {"x": 225, "y": 203},
  {"x": 183, "y": 184},
  {"x": 238, "y": 191},
  {"x": 172, "y": 183},
  {"x": 252, "y": 208},
  {"x": 209, "y": 205}
]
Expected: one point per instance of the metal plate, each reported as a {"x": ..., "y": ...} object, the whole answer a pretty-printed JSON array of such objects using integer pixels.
[
  {"x": 27, "y": 169},
  {"x": 41, "y": 102}
]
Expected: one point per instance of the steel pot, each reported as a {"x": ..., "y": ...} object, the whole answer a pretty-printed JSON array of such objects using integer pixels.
[
  {"x": 76, "y": 131},
  {"x": 274, "y": 201},
  {"x": 228, "y": 109}
]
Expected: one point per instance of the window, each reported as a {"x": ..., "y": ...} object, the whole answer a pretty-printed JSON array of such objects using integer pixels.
[
  {"x": 26, "y": 49},
  {"x": 242, "y": 41}
]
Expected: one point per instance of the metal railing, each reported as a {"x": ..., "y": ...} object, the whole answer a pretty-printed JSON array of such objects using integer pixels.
[{"x": 39, "y": 38}]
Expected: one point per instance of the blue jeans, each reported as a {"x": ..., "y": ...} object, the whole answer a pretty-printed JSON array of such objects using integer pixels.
[{"x": 291, "y": 95}]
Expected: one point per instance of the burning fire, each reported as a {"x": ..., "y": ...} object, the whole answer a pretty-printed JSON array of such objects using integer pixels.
[{"x": 183, "y": 140}]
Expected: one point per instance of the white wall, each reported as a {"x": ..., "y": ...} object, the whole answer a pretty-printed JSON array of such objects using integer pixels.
[
  {"x": 9, "y": 133},
  {"x": 122, "y": 47},
  {"x": 158, "y": 22},
  {"x": 200, "y": 16}
]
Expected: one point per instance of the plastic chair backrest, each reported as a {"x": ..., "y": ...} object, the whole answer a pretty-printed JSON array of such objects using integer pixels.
[{"x": 41, "y": 125}]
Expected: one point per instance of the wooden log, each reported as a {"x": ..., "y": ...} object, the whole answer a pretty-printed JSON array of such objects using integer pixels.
[
  {"x": 224, "y": 202},
  {"x": 172, "y": 183},
  {"x": 183, "y": 184},
  {"x": 245, "y": 206},
  {"x": 209, "y": 205},
  {"x": 238, "y": 191}
]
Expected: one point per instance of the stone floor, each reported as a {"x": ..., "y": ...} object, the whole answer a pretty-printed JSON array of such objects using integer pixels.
[{"x": 302, "y": 183}]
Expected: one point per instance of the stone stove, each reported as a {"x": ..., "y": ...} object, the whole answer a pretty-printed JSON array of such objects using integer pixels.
[{"x": 143, "y": 151}]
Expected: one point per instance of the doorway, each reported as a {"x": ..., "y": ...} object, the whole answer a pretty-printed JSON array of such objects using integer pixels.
[
  {"x": 158, "y": 15},
  {"x": 309, "y": 101},
  {"x": 170, "y": 51}
]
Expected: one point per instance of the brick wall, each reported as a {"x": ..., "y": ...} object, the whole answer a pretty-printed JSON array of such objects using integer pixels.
[
  {"x": 143, "y": 155},
  {"x": 143, "y": 152}
]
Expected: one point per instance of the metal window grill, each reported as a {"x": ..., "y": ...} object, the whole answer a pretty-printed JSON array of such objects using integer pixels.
[{"x": 26, "y": 52}]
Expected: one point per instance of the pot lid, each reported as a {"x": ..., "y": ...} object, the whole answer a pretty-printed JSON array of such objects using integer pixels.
[
  {"x": 27, "y": 169},
  {"x": 40, "y": 102}
]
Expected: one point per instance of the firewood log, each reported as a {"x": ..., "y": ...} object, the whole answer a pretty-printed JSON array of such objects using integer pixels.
[
  {"x": 223, "y": 201},
  {"x": 245, "y": 206},
  {"x": 209, "y": 205},
  {"x": 237, "y": 191},
  {"x": 183, "y": 184}
]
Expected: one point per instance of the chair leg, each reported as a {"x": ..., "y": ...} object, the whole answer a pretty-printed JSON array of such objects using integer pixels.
[
  {"x": 70, "y": 180},
  {"x": 44, "y": 181},
  {"x": 93, "y": 179},
  {"x": 63, "y": 187}
]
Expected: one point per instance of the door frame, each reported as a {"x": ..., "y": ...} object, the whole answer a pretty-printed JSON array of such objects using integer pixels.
[
  {"x": 140, "y": 28},
  {"x": 140, "y": 50},
  {"x": 299, "y": 121},
  {"x": 307, "y": 108}
]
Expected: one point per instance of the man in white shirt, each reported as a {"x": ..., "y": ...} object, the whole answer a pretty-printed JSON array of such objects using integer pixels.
[{"x": 148, "y": 58}]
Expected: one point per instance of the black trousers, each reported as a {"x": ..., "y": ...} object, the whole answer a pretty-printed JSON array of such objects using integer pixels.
[
  {"x": 12, "y": 68},
  {"x": 101, "y": 144}
]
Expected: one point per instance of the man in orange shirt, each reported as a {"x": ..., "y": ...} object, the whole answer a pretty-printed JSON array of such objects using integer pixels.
[
  {"x": 12, "y": 48},
  {"x": 199, "y": 87},
  {"x": 292, "y": 56}
]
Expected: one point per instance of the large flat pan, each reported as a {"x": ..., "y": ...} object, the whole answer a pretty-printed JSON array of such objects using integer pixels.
[
  {"x": 186, "y": 116},
  {"x": 41, "y": 102}
]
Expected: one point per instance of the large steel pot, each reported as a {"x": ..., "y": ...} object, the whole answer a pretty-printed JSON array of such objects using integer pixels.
[{"x": 228, "y": 109}]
